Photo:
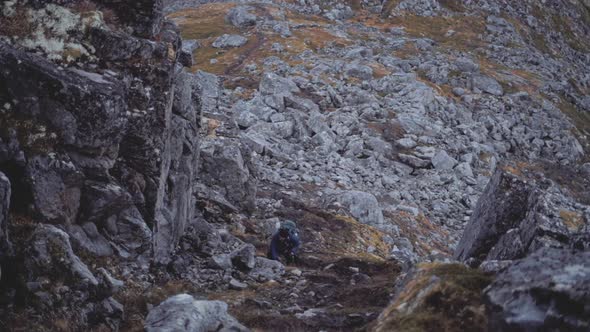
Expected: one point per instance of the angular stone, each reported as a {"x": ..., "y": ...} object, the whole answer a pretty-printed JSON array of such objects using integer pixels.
[
  {"x": 548, "y": 290},
  {"x": 244, "y": 258},
  {"x": 266, "y": 269},
  {"x": 241, "y": 17},
  {"x": 183, "y": 313},
  {"x": 442, "y": 161},
  {"x": 226, "y": 41},
  {"x": 487, "y": 84}
]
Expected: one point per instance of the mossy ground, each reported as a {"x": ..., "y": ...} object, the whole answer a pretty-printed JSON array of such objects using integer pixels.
[{"x": 438, "y": 297}]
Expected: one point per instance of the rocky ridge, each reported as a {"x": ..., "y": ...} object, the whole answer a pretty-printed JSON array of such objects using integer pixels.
[{"x": 401, "y": 136}]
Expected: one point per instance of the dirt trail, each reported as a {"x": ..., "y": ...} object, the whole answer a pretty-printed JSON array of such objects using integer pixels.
[{"x": 341, "y": 283}]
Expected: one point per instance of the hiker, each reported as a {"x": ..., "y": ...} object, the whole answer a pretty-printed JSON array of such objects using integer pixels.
[{"x": 285, "y": 242}]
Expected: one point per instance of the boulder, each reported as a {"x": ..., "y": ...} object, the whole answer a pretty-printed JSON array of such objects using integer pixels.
[
  {"x": 244, "y": 258},
  {"x": 419, "y": 7},
  {"x": 547, "y": 291},
  {"x": 226, "y": 41},
  {"x": 362, "y": 206},
  {"x": 87, "y": 237},
  {"x": 266, "y": 269},
  {"x": 273, "y": 84},
  {"x": 431, "y": 295},
  {"x": 208, "y": 88},
  {"x": 359, "y": 71},
  {"x": 519, "y": 212},
  {"x": 128, "y": 233},
  {"x": 442, "y": 161},
  {"x": 56, "y": 185},
  {"x": 241, "y": 17},
  {"x": 221, "y": 261},
  {"x": 183, "y": 313},
  {"x": 487, "y": 84},
  {"x": 225, "y": 166},
  {"x": 50, "y": 254}
]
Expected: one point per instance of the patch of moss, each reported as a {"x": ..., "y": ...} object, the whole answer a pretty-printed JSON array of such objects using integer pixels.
[{"x": 439, "y": 297}]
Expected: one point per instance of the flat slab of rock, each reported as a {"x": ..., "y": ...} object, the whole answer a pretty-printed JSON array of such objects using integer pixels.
[{"x": 226, "y": 41}]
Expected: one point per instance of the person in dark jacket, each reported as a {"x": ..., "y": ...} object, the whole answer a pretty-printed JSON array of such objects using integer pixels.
[{"x": 285, "y": 242}]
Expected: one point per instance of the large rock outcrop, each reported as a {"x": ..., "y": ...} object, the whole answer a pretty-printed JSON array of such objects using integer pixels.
[
  {"x": 520, "y": 212},
  {"x": 100, "y": 151},
  {"x": 56, "y": 278},
  {"x": 547, "y": 291},
  {"x": 80, "y": 132}
]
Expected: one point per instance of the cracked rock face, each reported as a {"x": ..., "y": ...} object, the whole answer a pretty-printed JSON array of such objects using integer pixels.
[
  {"x": 554, "y": 296},
  {"x": 518, "y": 214}
]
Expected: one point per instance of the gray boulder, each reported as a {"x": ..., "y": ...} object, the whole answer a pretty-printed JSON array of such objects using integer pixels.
[
  {"x": 244, "y": 258},
  {"x": 208, "y": 88},
  {"x": 241, "y": 17},
  {"x": 128, "y": 233},
  {"x": 56, "y": 186},
  {"x": 359, "y": 71},
  {"x": 547, "y": 291},
  {"x": 442, "y": 161},
  {"x": 50, "y": 254},
  {"x": 266, "y": 269},
  {"x": 273, "y": 84},
  {"x": 361, "y": 205},
  {"x": 419, "y": 7},
  {"x": 487, "y": 84},
  {"x": 183, "y": 313},
  {"x": 221, "y": 262},
  {"x": 87, "y": 237},
  {"x": 225, "y": 167},
  {"x": 226, "y": 41}
]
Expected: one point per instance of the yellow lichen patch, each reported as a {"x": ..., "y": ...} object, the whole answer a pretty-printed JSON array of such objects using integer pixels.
[
  {"x": 574, "y": 221},
  {"x": 212, "y": 125}
]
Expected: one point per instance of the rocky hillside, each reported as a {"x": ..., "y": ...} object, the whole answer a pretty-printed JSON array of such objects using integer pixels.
[{"x": 434, "y": 154}]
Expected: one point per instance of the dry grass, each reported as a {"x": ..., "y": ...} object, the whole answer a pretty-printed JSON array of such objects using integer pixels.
[
  {"x": 574, "y": 221},
  {"x": 438, "y": 297},
  {"x": 83, "y": 6},
  {"x": 17, "y": 25},
  {"x": 204, "y": 22}
]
